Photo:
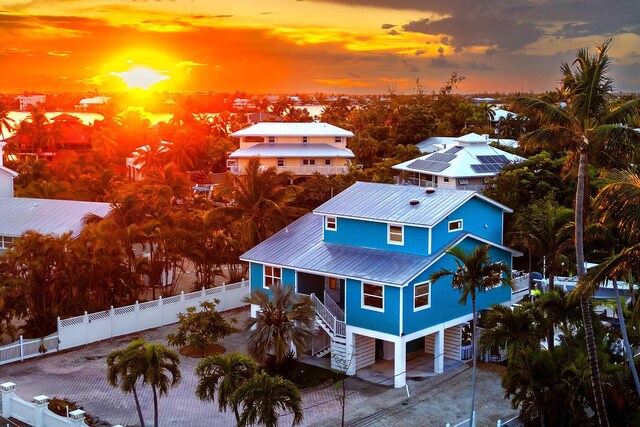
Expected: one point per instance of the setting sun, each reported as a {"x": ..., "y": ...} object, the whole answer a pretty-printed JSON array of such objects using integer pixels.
[{"x": 141, "y": 77}]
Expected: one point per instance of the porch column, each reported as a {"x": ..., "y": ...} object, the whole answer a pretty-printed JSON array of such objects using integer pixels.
[
  {"x": 400, "y": 363},
  {"x": 350, "y": 352},
  {"x": 387, "y": 349},
  {"x": 438, "y": 352}
]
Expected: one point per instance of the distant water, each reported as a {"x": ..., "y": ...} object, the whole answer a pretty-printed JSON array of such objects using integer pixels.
[
  {"x": 86, "y": 118},
  {"x": 314, "y": 110}
]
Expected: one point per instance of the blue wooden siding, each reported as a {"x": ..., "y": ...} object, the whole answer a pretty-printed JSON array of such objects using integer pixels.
[
  {"x": 445, "y": 304},
  {"x": 374, "y": 235},
  {"x": 257, "y": 277},
  {"x": 387, "y": 321},
  {"x": 475, "y": 214}
]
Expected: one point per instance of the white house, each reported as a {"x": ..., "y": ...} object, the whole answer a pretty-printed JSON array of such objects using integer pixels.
[
  {"x": 465, "y": 164},
  {"x": 436, "y": 143},
  {"x": 300, "y": 148},
  {"x": 92, "y": 103},
  {"x": 26, "y": 100},
  {"x": 6, "y": 176}
]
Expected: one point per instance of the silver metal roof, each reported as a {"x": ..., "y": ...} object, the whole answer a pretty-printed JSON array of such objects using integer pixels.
[
  {"x": 300, "y": 246},
  {"x": 46, "y": 216},
  {"x": 292, "y": 150},
  {"x": 292, "y": 129},
  {"x": 390, "y": 203}
]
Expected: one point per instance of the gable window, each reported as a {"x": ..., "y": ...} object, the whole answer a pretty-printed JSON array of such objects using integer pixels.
[
  {"x": 305, "y": 139},
  {"x": 395, "y": 234},
  {"x": 280, "y": 162},
  {"x": 272, "y": 140},
  {"x": 331, "y": 223},
  {"x": 337, "y": 139},
  {"x": 455, "y": 225},
  {"x": 308, "y": 162},
  {"x": 422, "y": 296},
  {"x": 373, "y": 296},
  {"x": 272, "y": 276}
]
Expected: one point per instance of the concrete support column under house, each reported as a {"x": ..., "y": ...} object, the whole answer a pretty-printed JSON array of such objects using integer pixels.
[
  {"x": 400, "y": 363},
  {"x": 388, "y": 350},
  {"x": 438, "y": 352},
  {"x": 350, "y": 352}
]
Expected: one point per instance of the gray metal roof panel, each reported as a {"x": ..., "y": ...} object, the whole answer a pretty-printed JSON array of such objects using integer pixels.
[
  {"x": 293, "y": 150},
  {"x": 47, "y": 216},
  {"x": 390, "y": 203},
  {"x": 300, "y": 246}
]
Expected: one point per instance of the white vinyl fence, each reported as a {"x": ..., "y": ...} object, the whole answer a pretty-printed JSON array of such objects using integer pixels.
[
  {"x": 28, "y": 348},
  {"x": 92, "y": 327},
  {"x": 36, "y": 413}
]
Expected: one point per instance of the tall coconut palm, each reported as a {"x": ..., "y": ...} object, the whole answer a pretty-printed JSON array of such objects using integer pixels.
[
  {"x": 284, "y": 320},
  {"x": 221, "y": 375},
  {"x": 260, "y": 202},
  {"x": 262, "y": 396},
  {"x": 152, "y": 363},
  {"x": 587, "y": 125},
  {"x": 474, "y": 273},
  {"x": 6, "y": 122}
]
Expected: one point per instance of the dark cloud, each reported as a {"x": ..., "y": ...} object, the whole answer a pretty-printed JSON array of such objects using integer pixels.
[
  {"x": 479, "y": 66},
  {"x": 393, "y": 32},
  {"x": 442, "y": 62},
  {"x": 388, "y": 26},
  {"x": 420, "y": 52}
]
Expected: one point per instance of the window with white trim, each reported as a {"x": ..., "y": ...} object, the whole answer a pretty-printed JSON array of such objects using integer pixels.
[
  {"x": 308, "y": 162},
  {"x": 327, "y": 162},
  {"x": 280, "y": 162},
  {"x": 445, "y": 179},
  {"x": 395, "y": 234},
  {"x": 272, "y": 140},
  {"x": 463, "y": 181},
  {"x": 373, "y": 296},
  {"x": 337, "y": 139},
  {"x": 272, "y": 276},
  {"x": 6, "y": 241},
  {"x": 331, "y": 223},
  {"x": 455, "y": 225},
  {"x": 305, "y": 139},
  {"x": 422, "y": 296}
]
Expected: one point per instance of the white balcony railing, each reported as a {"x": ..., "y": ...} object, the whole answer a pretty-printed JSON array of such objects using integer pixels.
[{"x": 310, "y": 170}]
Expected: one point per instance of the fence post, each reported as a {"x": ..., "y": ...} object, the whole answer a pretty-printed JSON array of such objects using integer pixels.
[
  {"x": 137, "y": 311},
  {"x": 111, "y": 316},
  {"x": 182, "y": 301},
  {"x": 41, "y": 403},
  {"x": 85, "y": 322},
  {"x": 8, "y": 390},
  {"x": 76, "y": 418},
  {"x": 21, "y": 350},
  {"x": 161, "y": 310}
]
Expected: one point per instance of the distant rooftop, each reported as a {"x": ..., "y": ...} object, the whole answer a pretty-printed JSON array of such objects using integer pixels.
[
  {"x": 390, "y": 203},
  {"x": 292, "y": 129},
  {"x": 46, "y": 216}
]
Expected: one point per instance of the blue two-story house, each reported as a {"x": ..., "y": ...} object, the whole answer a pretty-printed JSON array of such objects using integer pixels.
[{"x": 365, "y": 258}]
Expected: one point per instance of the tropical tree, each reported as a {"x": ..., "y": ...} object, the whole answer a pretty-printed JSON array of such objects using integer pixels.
[
  {"x": 262, "y": 396},
  {"x": 282, "y": 322},
  {"x": 200, "y": 328},
  {"x": 259, "y": 202},
  {"x": 220, "y": 376},
  {"x": 585, "y": 126},
  {"x": 151, "y": 363},
  {"x": 6, "y": 122},
  {"x": 475, "y": 273}
]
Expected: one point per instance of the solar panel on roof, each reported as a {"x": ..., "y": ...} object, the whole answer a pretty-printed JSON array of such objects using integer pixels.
[
  {"x": 428, "y": 165},
  {"x": 441, "y": 157},
  {"x": 453, "y": 150}
]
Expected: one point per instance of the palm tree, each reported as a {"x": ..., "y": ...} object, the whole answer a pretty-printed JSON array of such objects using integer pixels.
[
  {"x": 260, "y": 202},
  {"x": 262, "y": 396},
  {"x": 283, "y": 321},
  {"x": 224, "y": 374},
  {"x": 6, "y": 122},
  {"x": 152, "y": 363},
  {"x": 475, "y": 273},
  {"x": 121, "y": 373},
  {"x": 587, "y": 125}
]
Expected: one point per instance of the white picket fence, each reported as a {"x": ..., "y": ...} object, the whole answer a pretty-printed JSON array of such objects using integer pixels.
[
  {"x": 102, "y": 325},
  {"x": 92, "y": 327}
]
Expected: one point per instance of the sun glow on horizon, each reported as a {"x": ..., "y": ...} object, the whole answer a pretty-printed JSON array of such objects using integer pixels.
[{"x": 141, "y": 77}]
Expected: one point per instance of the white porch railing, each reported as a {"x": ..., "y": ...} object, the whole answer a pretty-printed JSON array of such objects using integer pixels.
[
  {"x": 336, "y": 327},
  {"x": 311, "y": 169},
  {"x": 333, "y": 307}
]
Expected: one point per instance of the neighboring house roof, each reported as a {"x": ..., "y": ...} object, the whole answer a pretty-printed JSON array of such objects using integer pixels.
[
  {"x": 46, "y": 216},
  {"x": 8, "y": 171},
  {"x": 300, "y": 246},
  {"x": 501, "y": 113},
  {"x": 390, "y": 203},
  {"x": 435, "y": 143},
  {"x": 292, "y": 129},
  {"x": 461, "y": 161},
  {"x": 292, "y": 150}
]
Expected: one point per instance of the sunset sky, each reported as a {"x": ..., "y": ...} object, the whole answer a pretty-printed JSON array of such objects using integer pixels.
[{"x": 286, "y": 46}]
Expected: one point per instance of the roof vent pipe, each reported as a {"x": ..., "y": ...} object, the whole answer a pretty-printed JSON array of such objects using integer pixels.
[
  {"x": 430, "y": 190},
  {"x": 414, "y": 202}
]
